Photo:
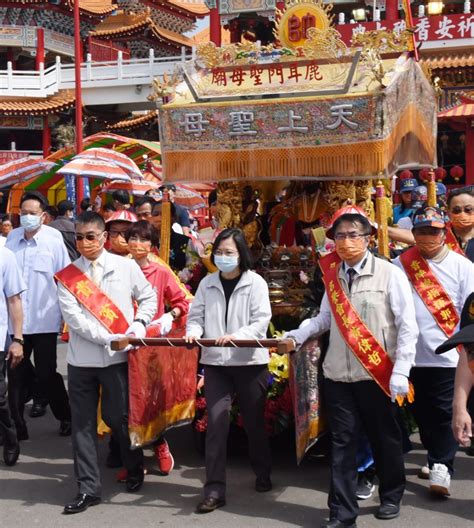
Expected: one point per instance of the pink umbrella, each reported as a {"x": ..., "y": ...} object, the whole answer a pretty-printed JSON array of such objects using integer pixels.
[
  {"x": 23, "y": 169},
  {"x": 113, "y": 157},
  {"x": 137, "y": 188},
  {"x": 94, "y": 168}
]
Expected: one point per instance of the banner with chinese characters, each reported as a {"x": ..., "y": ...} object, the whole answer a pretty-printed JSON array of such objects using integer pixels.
[{"x": 367, "y": 132}]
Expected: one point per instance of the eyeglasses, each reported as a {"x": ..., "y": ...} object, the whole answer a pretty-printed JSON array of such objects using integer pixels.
[
  {"x": 88, "y": 236},
  {"x": 458, "y": 210},
  {"x": 350, "y": 236},
  {"x": 115, "y": 234},
  {"x": 226, "y": 253}
]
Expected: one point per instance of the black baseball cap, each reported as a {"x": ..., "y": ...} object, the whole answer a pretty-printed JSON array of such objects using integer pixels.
[{"x": 466, "y": 333}]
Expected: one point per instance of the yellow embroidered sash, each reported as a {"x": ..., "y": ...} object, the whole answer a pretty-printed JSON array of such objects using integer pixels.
[
  {"x": 430, "y": 290},
  {"x": 93, "y": 299},
  {"x": 355, "y": 333},
  {"x": 452, "y": 241}
]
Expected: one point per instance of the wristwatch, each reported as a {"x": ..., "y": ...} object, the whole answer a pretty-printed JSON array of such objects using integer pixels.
[
  {"x": 18, "y": 340},
  {"x": 140, "y": 321},
  {"x": 173, "y": 314}
]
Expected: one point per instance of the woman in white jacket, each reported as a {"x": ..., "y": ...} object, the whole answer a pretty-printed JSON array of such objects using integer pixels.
[{"x": 232, "y": 304}]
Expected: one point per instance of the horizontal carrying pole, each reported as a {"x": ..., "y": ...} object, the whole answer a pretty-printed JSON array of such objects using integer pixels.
[{"x": 283, "y": 346}]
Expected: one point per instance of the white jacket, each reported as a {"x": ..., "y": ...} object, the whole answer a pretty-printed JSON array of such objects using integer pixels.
[
  {"x": 248, "y": 316},
  {"x": 123, "y": 282}
]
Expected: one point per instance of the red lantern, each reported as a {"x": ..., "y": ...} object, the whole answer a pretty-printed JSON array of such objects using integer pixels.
[
  {"x": 440, "y": 174},
  {"x": 406, "y": 174},
  {"x": 456, "y": 172},
  {"x": 424, "y": 175}
]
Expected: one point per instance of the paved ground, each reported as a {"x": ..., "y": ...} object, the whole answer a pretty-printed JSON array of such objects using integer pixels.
[{"x": 35, "y": 490}]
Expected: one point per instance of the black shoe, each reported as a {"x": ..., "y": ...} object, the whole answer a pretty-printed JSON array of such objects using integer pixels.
[
  {"x": 135, "y": 480},
  {"x": 365, "y": 487},
  {"x": 335, "y": 523},
  {"x": 388, "y": 511},
  {"x": 263, "y": 484},
  {"x": 11, "y": 453},
  {"x": 81, "y": 503},
  {"x": 37, "y": 410},
  {"x": 113, "y": 460},
  {"x": 209, "y": 505},
  {"x": 65, "y": 428}
]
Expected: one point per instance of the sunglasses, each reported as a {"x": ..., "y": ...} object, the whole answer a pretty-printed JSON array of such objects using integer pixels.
[
  {"x": 89, "y": 236},
  {"x": 115, "y": 234}
]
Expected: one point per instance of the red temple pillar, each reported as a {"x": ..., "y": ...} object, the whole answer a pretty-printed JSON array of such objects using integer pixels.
[
  {"x": 46, "y": 137},
  {"x": 470, "y": 152},
  {"x": 215, "y": 25},
  {"x": 40, "y": 48},
  {"x": 235, "y": 31},
  {"x": 391, "y": 10}
]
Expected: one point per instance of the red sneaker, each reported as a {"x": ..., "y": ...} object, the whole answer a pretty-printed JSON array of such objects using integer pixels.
[
  {"x": 122, "y": 475},
  {"x": 164, "y": 457}
]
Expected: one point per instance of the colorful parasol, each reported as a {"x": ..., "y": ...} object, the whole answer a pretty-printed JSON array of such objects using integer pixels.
[
  {"x": 137, "y": 188},
  {"x": 188, "y": 197},
  {"x": 94, "y": 168},
  {"x": 23, "y": 169},
  {"x": 115, "y": 158}
]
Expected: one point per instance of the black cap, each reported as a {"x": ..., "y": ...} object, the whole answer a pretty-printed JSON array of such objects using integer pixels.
[{"x": 466, "y": 332}]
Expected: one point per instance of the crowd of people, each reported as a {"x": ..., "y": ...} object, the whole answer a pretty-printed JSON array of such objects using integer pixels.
[{"x": 400, "y": 330}]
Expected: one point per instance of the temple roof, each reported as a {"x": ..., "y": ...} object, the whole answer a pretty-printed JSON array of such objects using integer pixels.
[
  {"x": 126, "y": 25},
  {"x": 196, "y": 8},
  {"x": 204, "y": 36},
  {"x": 451, "y": 60},
  {"x": 11, "y": 106},
  {"x": 89, "y": 7},
  {"x": 134, "y": 122}
]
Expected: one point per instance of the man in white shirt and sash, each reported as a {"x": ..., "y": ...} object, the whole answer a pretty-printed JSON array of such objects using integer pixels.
[
  {"x": 97, "y": 293},
  {"x": 441, "y": 281},
  {"x": 370, "y": 314}
]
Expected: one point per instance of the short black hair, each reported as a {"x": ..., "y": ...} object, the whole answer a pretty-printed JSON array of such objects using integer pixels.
[
  {"x": 65, "y": 206},
  {"x": 353, "y": 219},
  {"x": 457, "y": 192},
  {"x": 238, "y": 237},
  {"x": 6, "y": 218},
  {"x": 85, "y": 204},
  {"x": 145, "y": 200},
  {"x": 37, "y": 196},
  {"x": 168, "y": 187},
  {"x": 109, "y": 207},
  {"x": 212, "y": 198},
  {"x": 121, "y": 196},
  {"x": 145, "y": 230},
  {"x": 159, "y": 204},
  {"x": 90, "y": 217},
  {"x": 52, "y": 211}
]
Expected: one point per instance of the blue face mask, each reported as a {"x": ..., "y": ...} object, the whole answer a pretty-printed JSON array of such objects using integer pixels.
[
  {"x": 226, "y": 263},
  {"x": 30, "y": 222}
]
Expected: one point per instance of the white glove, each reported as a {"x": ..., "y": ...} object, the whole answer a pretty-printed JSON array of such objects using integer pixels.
[
  {"x": 398, "y": 385},
  {"x": 166, "y": 322},
  {"x": 115, "y": 337},
  {"x": 136, "y": 329}
]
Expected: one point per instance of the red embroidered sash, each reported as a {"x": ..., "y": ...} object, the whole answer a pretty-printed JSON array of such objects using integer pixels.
[
  {"x": 430, "y": 290},
  {"x": 452, "y": 241},
  {"x": 329, "y": 261},
  {"x": 355, "y": 333},
  {"x": 93, "y": 299}
]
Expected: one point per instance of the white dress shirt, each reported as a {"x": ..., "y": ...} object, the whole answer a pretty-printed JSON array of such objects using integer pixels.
[
  {"x": 11, "y": 284},
  {"x": 456, "y": 275},
  {"x": 123, "y": 282},
  {"x": 401, "y": 306},
  {"x": 39, "y": 258}
]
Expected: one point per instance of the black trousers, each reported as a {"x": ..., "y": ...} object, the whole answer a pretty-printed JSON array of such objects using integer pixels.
[
  {"x": 84, "y": 384},
  {"x": 21, "y": 379},
  {"x": 250, "y": 384},
  {"x": 7, "y": 426},
  {"x": 432, "y": 408},
  {"x": 351, "y": 406}
]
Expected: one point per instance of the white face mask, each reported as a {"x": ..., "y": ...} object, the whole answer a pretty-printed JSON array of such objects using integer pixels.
[
  {"x": 30, "y": 222},
  {"x": 226, "y": 263}
]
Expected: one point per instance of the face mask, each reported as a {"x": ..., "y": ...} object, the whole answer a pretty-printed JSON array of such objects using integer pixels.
[
  {"x": 351, "y": 249},
  {"x": 225, "y": 263},
  {"x": 429, "y": 244},
  {"x": 462, "y": 220},
  {"x": 118, "y": 245},
  {"x": 89, "y": 248},
  {"x": 139, "y": 250},
  {"x": 30, "y": 222}
]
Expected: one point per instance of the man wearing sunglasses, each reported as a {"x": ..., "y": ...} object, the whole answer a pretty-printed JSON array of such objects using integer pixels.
[
  {"x": 97, "y": 295},
  {"x": 369, "y": 311}
]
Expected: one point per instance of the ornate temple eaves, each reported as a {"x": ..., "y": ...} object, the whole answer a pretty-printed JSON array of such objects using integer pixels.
[
  {"x": 26, "y": 106},
  {"x": 134, "y": 122},
  {"x": 93, "y": 8}
]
